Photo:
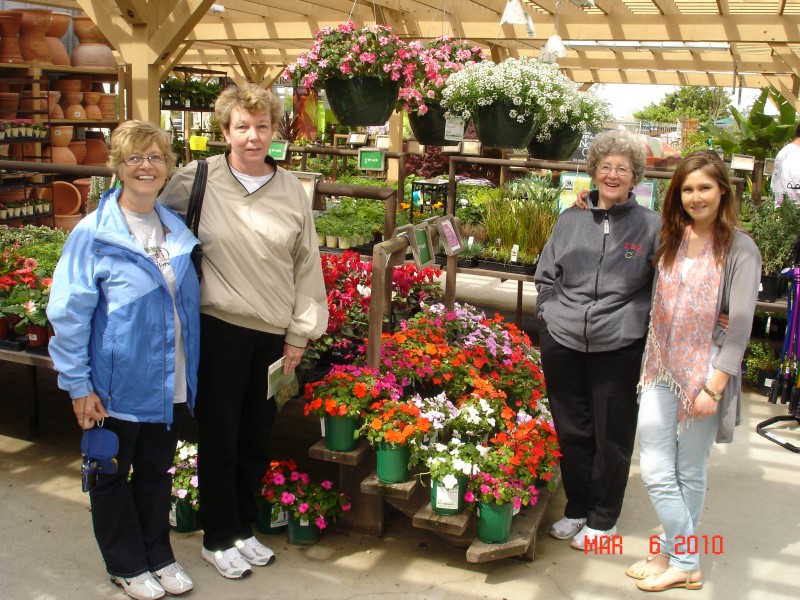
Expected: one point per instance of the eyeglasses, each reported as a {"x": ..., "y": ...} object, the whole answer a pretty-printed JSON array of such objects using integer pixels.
[
  {"x": 621, "y": 171},
  {"x": 135, "y": 161}
]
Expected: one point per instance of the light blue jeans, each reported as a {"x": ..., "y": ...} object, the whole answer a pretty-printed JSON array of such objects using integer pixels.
[{"x": 673, "y": 465}]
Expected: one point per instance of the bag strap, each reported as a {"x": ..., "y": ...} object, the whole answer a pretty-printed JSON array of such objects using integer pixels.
[{"x": 196, "y": 196}]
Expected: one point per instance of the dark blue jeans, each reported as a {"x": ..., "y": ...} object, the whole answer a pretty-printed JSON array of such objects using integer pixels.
[{"x": 131, "y": 519}]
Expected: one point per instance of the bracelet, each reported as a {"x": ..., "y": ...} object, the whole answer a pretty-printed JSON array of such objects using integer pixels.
[{"x": 715, "y": 396}]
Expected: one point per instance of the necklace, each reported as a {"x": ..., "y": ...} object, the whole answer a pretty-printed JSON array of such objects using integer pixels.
[{"x": 142, "y": 227}]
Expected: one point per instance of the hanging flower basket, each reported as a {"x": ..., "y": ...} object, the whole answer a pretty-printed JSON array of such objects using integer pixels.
[
  {"x": 496, "y": 127},
  {"x": 361, "y": 100},
  {"x": 429, "y": 128},
  {"x": 561, "y": 146}
]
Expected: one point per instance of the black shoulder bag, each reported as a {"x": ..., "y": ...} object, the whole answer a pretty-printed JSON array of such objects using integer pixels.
[{"x": 193, "y": 213}]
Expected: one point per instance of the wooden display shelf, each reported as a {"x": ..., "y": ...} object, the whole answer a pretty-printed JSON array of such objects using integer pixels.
[
  {"x": 456, "y": 525},
  {"x": 353, "y": 458},
  {"x": 524, "y": 529},
  {"x": 401, "y": 491}
]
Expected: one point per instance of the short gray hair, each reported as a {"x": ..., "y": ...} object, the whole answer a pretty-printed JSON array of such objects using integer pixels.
[{"x": 618, "y": 141}]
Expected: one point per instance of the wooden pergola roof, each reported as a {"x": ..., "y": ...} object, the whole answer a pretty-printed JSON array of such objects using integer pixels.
[{"x": 752, "y": 42}]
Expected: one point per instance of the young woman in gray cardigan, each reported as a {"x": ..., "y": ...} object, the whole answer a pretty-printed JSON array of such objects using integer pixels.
[{"x": 690, "y": 382}]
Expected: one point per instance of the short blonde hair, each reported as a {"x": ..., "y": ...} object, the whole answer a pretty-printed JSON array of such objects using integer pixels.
[
  {"x": 250, "y": 97},
  {"x": 134, "y": 137},
  {"x": 617, "y": 141}
]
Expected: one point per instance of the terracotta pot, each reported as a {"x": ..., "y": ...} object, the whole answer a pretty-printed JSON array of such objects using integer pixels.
[
  {"x": 78, "y": 148},
  {"x": 67, "y": 222},
  {"x": 96, "y": 152},
  {"x": 58, "y": 27},
  {"x": 83, "y": 186},
  {"x": 86, "y": 31},
  {"x": 52, "y": 101},
  {"x": 32, "y": 43},
  {"x": 9, "y": 102},
  {"x": 108, "y": 105},
  {"x": 9, "y": 37},
  {"x": 67, "y": 85},
  {"x": 58, "y": 53},
  {"x": 68, "y": 98},
  {"x": 64, "y": 198},
  {"x": 60, "y": 155},
  {"x": 93, "y": 56},
  {"x": 57, "y": 112},
  {"x": 59, "y": 24},
  {"x": 90, "y": 100},
  {"x": 61, "y": 136}
]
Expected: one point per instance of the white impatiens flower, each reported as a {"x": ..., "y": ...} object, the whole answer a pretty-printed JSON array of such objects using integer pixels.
[{"x": 449, "y": 481}]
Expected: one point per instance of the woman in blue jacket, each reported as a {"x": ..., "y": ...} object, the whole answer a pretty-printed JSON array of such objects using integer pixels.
[{"x": 125, "y": 309}]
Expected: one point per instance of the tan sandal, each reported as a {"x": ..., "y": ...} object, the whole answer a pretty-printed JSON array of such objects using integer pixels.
[
  {"x": 669, "y": 580},
  {"x": 644, "y": 569}
]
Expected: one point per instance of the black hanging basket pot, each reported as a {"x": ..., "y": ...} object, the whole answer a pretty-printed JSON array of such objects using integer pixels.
[
  {"x": 362, "y": 101},
  {"x": 561, "y": 146},
  {"x": 496, "y": 128},
  {"x": 429, "y": 128}
]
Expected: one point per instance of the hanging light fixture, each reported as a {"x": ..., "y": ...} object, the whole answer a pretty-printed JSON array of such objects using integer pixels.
[
  {"x": 554, "y": 47},
  {"x": 514, "y": 14}
]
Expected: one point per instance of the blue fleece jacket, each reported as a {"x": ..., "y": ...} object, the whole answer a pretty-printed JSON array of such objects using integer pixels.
[{"x": 113, "y": 315}]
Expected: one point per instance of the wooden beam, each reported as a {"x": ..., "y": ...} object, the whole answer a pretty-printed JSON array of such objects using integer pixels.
[{"x": 133, "y": 11}]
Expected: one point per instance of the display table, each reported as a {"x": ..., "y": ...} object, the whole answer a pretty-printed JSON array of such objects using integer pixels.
[{"x": 32, "y": 361}]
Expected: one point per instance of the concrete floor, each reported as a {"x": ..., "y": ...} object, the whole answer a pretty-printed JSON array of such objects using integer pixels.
[{"x": 49, "y": 552}]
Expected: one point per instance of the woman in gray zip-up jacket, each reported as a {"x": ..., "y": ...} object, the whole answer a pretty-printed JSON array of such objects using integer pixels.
[{"x": 594, "y": 284}]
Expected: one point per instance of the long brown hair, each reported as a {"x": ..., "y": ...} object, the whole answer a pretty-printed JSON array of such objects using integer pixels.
[{"x": 675, "y": 218}]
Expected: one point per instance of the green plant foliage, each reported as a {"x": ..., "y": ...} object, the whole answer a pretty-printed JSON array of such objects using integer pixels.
[
  {"x": 522, "y": 212},
  {"x": 758, "y": 134},
  {"x": 774, "y": 231},
  {"x": 688, "y": 102},
  {"x": 759, "y": 357}
]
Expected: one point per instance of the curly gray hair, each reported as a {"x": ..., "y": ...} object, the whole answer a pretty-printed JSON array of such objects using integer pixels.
[{"x": 617, "y": 141}]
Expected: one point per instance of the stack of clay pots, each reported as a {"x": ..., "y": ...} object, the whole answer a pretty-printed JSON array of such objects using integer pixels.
[
  {"x": 93, "y": 51},
  {"x": 58, "y": 27},
  {"x": 32, "y": 29},
  {"x": 10, "y": 52}
]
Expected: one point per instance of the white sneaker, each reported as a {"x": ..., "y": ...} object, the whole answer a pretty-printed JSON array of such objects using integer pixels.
[
  {"x": 591, "y": 537},
  {"x": 141, "y": 587},
  {"x": 566, "y": 528},
  {"x": 254, "y": 552},
  {"x": 230, "y": 563},
  {"x": 174, "y": 579}
]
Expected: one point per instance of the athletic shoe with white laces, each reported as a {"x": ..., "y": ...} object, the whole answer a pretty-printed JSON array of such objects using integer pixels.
[
  {"x": 254, "y": 552},
  {"x": 141, "y": 587},
  {"x": 592, "y": 538},
  {"x": 174, "y": 579},
  {"x": 230, "y": 563},
  {"x": 566, "y": 528}
]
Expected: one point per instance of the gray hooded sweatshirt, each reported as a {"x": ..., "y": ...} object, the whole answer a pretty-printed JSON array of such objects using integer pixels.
[{"x": 595, "y": 274}]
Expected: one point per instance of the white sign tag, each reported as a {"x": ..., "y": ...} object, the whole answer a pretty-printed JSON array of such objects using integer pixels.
[{"x": 454, "y": 129}]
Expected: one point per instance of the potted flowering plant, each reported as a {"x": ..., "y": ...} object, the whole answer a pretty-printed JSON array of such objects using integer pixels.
[
  {"x": 391, "y": 427},
  {"x": 360, "y": 69},
  {"x": 342, "y": 397},
  {"x": 272, "y": 516},
  {"x": 450, "y": 466},
  {"x": 560, "y": 133},
  {"x": 497, "y": 493},
  {"x": 433, "y": 64},
  {"x": 311, "y": 506},
  {"x": 506, "y": 101},
  {"x": 185, "y": 495}
]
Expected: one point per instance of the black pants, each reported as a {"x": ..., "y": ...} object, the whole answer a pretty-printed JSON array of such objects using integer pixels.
[
  {"x": 593, "y": 399},
  {"x": 131, "y": 520},
  {"x": 234, "y": 422}
]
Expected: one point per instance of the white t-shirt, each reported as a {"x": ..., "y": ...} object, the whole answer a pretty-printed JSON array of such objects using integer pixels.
[
  {"x": 786, "y": 176},
  {"x": 148, "y": 231}
]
